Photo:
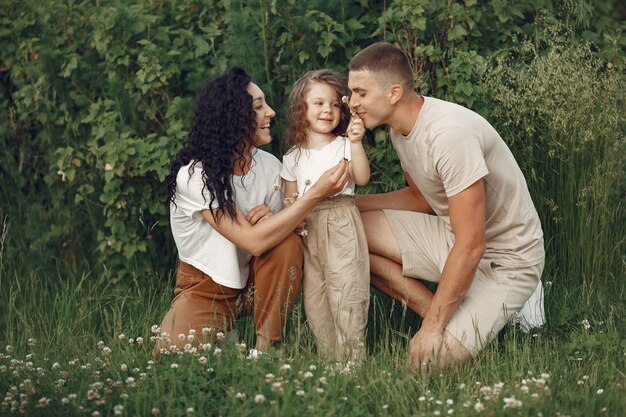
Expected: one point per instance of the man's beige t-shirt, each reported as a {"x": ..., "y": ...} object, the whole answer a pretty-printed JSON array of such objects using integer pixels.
[{"x": 450, "y": 148}]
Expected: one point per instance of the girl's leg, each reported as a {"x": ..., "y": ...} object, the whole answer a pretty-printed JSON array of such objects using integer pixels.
[{"x": 348, "y": 281}]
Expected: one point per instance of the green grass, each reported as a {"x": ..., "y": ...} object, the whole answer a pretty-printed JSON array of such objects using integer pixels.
[{"x": 55, "y": 327}]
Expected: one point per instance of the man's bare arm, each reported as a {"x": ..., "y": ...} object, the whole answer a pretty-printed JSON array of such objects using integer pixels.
[{"x": 409, "y": 198}]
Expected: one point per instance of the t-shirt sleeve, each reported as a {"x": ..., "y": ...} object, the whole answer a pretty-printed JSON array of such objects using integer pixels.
[
  {"x": 458, "y": 159},
  {"x": 191, "y": 196},
  {"x": 288, "y": 170}
]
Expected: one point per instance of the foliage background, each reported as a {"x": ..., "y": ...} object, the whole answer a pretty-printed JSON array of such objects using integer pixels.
[{"x": 96, "y": 98}]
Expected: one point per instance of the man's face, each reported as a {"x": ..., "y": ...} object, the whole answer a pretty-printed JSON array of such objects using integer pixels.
[{"x": 369, "y": 98}]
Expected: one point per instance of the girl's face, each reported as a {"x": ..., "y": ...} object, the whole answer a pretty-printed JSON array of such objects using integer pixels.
[
  {"x": 264, "y": 114},
  {"x": 323, "y": 108}
]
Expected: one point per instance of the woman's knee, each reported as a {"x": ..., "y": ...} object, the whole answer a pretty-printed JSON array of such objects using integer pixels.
[{"x": 289, "y": 248}]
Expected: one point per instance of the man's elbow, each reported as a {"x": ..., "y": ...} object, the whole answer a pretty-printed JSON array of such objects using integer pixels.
[{"x": 478, "y": 249}]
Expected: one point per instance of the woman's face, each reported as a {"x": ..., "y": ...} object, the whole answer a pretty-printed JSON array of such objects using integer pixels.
[{"x": 264, "y": 114}]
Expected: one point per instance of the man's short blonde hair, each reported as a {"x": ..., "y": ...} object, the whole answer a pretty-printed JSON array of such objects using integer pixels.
[{"x": 388, "y": 63}]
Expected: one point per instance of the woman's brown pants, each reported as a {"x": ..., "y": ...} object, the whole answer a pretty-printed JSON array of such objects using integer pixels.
[{"x": 199, "y": 302}]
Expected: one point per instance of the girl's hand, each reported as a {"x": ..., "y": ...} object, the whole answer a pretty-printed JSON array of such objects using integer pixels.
[
  {"x": 356, "y": 130},
  {"x": 260, "y": 212}
]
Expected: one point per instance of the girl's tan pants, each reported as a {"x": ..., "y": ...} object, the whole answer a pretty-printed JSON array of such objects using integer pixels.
[{"x": 336, "y": 283}]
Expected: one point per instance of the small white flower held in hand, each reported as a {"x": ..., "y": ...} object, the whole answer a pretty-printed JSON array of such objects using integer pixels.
[{"x": 346, "y": 100}]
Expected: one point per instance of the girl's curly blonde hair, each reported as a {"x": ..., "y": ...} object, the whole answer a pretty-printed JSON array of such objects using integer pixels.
[{"x": 298, "y": 124}]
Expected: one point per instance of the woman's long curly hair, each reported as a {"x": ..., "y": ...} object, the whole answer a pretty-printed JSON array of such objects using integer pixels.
[
  {"x": 223, "y": 128},
  {"x": 298, "y": 125}
]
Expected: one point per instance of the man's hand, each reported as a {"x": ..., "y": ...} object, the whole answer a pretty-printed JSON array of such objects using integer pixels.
[
  {"x": 260, "y": 212},
  {"x": 424, "y": 349}
]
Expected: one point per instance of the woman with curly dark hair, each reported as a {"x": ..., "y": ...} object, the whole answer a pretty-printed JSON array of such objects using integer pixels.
[{"x": 237, "y": 250}]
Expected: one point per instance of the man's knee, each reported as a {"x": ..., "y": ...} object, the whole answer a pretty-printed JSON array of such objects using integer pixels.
[{"x": 453, "y": 353}]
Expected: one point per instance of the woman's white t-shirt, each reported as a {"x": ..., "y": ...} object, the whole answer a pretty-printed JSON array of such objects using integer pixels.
[
  {"x": 198, "y": 243},
  {"x": 306, "y": 166}
]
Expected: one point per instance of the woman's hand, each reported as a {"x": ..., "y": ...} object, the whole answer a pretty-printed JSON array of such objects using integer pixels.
[
  {"x": 260, "y": 212},
  {"x": 331, "y": 182}
]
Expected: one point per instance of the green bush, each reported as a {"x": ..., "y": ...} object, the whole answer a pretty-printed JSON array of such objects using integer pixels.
[{"x": 97, "y": 97}]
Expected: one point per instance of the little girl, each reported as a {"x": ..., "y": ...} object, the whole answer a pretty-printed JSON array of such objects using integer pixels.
[{"x": 336, "y": 263}]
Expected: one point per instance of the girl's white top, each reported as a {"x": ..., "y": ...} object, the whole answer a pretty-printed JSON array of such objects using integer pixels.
[
  {"x": 198, "y": 243},
  {"x": 306, "y": 166}
]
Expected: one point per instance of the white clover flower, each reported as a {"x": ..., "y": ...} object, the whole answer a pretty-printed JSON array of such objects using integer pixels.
[
  {"x": 254, "y": 354},
  {"x": 242, "y": 347},
  {"x": 300, "y": 393},
  {"x": 65, "y": 401},
  {"x": 155, "y": 411},
  {"x": 277, "y": 387},
  {"x": 181, "y": 336},
  {"x": 139, "y": 340},
  {"x": 203, "y": 360},
  {"x": 322, "y": 380},
  {"x": 32, "y": 342},
  {"x": 220, "y": 336},
  {"x": 217, "y": 352},
  {"x": 131, "y": 341},
  {"x": 320, "y": 390},
  {"x": 285, "y": 367},
  {"x": 205, "y": 347},
  {"x": 118, "y": 409},
  {"x": 421, "y": 399},
  {"x": 259, "y": 398},
  {"x": 449, "y": 401},
  {"x": 451, "y": 411},
  {"x": 269, "y": 377},
  {"x": 586, "y": 324},
  {"x": 308, "y": 375},
  {"x": 155, "y": 329},
  {"x": 106, "y": 350},
  {"x": 190, "y": 410},
  {"x": 206, "y": 330},
  {"x": 121, "y": 336},
  {"x": 240, "y": 396},
  {"x": 600, "y": 391},
  {"x": 512, "y": 402},
  {"x": 436, "y": 413},
  {"x": 385, "y": 406},
  {"x": 95, "y": 414},
  {"x": 174, "y": 366},
  {"x": 56, "y": 365}
]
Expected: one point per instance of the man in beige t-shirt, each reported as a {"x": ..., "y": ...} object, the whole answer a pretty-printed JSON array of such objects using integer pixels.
[{"x": 466, "y": 221}]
